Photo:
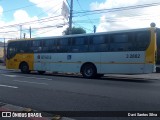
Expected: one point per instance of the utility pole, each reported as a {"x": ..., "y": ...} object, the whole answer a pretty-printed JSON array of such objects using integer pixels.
[
  {"x": 24, "y": 35},
  {"x": 20, "y": 31},
  {"x": 94, "y": 28},
  {"x": 70, "y": 17},
  {"x": 4, "y": 52},
  {"x": 30, "y": 32}
]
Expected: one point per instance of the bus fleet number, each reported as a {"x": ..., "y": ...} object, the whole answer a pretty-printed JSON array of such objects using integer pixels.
[{"x": 132, "y": 55}]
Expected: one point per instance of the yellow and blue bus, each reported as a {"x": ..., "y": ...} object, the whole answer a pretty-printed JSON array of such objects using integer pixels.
[{"x": 92, "y": 55}]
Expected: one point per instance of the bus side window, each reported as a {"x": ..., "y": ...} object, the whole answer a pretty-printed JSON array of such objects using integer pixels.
[
  {"x": 142, "y": 40},
  {"x": 36, "y": 44},
  {"x": 120, "y": 42},
  {"x": 29, "y": 46},
  {"x": 63, "y": 45},
  {"x": 98, "y": 43},
  {"x": 49, "y": 46},
  {"x": 79, "y": 44},
  {"x": 22, "y": 46}
]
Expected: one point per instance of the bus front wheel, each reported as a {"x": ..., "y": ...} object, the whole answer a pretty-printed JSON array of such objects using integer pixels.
[
  {"x": 24, "y": 68},
  {"x": 89, "y": 71}
]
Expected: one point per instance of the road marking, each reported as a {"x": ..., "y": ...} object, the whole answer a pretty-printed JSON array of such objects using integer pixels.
[
  {"x": 9, "y": 75},
  {"x": 26, "y": 77},
  {"x": 38, "y": 78},
  {"x": 30, "y": 82},
  {"x": 8, "y": 86}
]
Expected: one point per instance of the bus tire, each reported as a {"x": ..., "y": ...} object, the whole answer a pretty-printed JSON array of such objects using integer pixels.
[
  {"x": 89, "y": 71},
  {"x": 157, "y": 69},
  {"x": 24, "y": 68},
  {"x": 41, "y": 72}
]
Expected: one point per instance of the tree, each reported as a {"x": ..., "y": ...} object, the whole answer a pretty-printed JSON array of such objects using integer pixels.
[{"x": 74, "y": 31}]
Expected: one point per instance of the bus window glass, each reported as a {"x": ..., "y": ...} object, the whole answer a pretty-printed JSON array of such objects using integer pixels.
[
  {"x": 142, "y": 40},
  {"x": 11, "y": 50},
  {"x": 29, "y": 47},
  {"x": 37, "y": 46},
  {"x": 79, "y": 44},
  {"x": 49, "y": 46},
  {"x": 36, "y": 43},
  {"x": 62, "y": 45},
  {"x": 98, "y": 40},
  {"x": 79, "y": 41},
  {"x": 22, "y": 46},
  {"x": 120, "y": 42},
  {"x": 121, "y": 38},
  {"x": 63, "y": 41},
  {"x": 98, "y": 44}
]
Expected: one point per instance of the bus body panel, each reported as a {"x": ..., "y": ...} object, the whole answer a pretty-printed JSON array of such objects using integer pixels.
[
  {"x": 123, "y": 62},
  {"x": 111, "y": 62},
  {"x": 152, "y": 48},
  {"x": 14, "y": 63},
  {"x": 65, "y": 62}
]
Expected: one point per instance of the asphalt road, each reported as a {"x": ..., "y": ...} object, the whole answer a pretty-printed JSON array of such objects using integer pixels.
[{"x": 73, "y": 93}]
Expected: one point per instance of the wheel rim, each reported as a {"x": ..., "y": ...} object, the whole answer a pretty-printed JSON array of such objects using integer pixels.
[
  {"x": 25, "y": 68},
  {"x": 88, "y": 71}
]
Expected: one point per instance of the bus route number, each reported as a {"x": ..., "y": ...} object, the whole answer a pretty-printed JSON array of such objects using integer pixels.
[{"x": 132, "y": 55}]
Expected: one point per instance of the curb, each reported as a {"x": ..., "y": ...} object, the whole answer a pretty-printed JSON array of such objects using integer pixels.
[
  {"x": 4, "y": 68},
  {"x": 154, "y": 76},
  {"x": 4, "y": 107},
  {"x": 128, "y": 78}
]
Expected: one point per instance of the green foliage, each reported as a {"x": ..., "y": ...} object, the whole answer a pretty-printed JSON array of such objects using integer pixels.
[{"x": 74, "y": 31}]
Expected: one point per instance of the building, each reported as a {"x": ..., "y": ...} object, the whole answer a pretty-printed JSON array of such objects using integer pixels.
[{"x": 1, "y": 51}]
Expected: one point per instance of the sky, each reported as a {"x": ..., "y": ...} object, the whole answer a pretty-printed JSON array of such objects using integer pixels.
[{"x": 45, "y": 19}]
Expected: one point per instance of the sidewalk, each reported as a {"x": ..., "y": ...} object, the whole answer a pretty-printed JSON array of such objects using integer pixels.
[{"x": 150, "y": 76}]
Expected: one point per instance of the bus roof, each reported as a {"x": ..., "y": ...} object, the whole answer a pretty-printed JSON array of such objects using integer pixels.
[{"x": 81, "y": 35}]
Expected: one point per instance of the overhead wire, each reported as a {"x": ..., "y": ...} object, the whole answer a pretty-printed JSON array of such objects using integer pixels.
[
  {"x": 31, "y": 22},
  {"x": 119, "y": 9},
  {"x": 141, "y": 17},
  {"x": 68, "y": 4},
  {"x": 45, "y": 31},
  {"x": 44, "y": 20},
  {"x": 85, "y": 13},
  {"x": 22, "y": 7},
  {"x": 83, "y": 27},
  {"x": 13, "y": 25},
  {"x": 49, "y": 9},
  {"x": 119, "y": 18},
  {"x": 102, "y": 10},
  {"x": 82, "y": 9}
]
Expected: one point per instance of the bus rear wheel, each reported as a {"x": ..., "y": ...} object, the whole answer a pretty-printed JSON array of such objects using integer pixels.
[
  {"x": 89, "y": 71},
  {"x": 41, "y": 72},
  {"x": 24, "y": 68}
]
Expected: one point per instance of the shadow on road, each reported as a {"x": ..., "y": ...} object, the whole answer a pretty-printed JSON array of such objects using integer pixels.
[
  {"x": 123, "y": 79},
  {"x": 105, "y": 78}
]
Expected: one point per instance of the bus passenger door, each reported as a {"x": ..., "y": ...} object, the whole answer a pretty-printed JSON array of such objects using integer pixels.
[{"x": 42, "y": 62}]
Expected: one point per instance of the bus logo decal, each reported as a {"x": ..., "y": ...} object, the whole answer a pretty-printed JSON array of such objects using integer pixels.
[
  {"x": 69, "y": 57},
  {"x": 46, "y": 57}
]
